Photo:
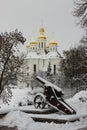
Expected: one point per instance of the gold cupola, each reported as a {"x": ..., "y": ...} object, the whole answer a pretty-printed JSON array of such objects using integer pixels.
[
  {"x": 42, "y": 36},
  {"x": 33, "y": 42},
  {"x": 42, "y": 30},
  {"x": 53, "y": 42},
  {"x": 28, "y": 46},
  {"x": 47, "y": 46}
]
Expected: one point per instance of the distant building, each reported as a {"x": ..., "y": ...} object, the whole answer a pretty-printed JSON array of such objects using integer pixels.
[{"x": 39, "y": 54}]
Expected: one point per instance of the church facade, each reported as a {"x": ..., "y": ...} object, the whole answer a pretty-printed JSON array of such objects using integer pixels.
[{"x": 40, "y": 54}]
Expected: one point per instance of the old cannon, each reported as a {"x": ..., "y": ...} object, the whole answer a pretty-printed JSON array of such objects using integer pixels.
[{"x": 53, "y": 97}]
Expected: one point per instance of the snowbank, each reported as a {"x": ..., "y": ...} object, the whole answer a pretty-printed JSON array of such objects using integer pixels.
[
  {"x": 17, "y": 118},
  {"x": 81, "y": 96},
  {"x": 24, "y": 122},
  {"x": 79, "y": 102}
]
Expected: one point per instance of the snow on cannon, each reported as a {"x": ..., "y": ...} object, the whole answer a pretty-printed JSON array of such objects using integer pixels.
[{"x": 53, "y": 96}]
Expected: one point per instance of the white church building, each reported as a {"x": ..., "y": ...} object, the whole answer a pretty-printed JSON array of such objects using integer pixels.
[{"x": 39, "y": 54}]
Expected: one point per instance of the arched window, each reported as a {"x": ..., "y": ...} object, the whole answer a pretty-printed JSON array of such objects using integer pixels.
[
  {"x": 50, "y": 49},
  {"x": 54, "y": 69},
  {"x": 39, "y": 44},
  {"x": 53, "y": 49},
  {"x": 34, "y": 68},
  {"x": 27, "y": 84},
  {"x": 42, "y": 45}
]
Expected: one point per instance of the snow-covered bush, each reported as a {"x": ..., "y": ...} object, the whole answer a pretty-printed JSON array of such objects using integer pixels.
[
  {"x": 26, "y": 103},
  {"x": 83, "y": 99},
  {"x": 6, "y": 95}
]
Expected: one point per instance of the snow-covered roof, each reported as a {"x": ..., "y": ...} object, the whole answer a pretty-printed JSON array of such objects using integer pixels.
[
  {"x": 36, "y": 55},
  {"x": 32, "y": 55}
]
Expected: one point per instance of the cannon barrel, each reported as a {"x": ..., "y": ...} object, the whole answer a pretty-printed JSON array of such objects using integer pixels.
[
  {"x": 43, "y": 81},
  {"x": 47, "y": 83}
]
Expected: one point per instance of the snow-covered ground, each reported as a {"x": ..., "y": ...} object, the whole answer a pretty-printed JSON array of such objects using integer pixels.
[
  {"x": 25, "y": 122},
  {"x": 19, "y": 95}
]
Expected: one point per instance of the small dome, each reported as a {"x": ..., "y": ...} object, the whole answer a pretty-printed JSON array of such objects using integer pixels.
[
  {"x": 53, "y": 43},
  {"x": 27, "y": 46},
  {"x": 42, "y": 36},
  {"x": 42, "y": 30},
  {"x": 47, "y": 46},
  {"x": 33, "y": 42}
]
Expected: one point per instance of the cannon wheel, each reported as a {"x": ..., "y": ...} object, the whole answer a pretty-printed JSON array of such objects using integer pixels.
[{"x": 39, "y": 101}]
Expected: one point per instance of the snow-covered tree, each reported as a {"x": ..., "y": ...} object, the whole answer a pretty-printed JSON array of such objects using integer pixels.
[
  {"x": 74, "y": 66},
  {"x": 10, "y": 62},
  {"x": 80, "y": 12}
]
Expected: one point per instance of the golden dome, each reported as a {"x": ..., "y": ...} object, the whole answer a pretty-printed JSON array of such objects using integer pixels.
[
  {"x": 42, "y": 30},
  {"x": 42, "y": 36},
  {"x": 33, "y": 42},
  {"x": 47, "y": 46},
  {"x": 53, "y": 43},
  {"x": 27, "y": 46}
]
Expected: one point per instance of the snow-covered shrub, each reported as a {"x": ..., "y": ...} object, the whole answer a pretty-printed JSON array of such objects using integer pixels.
[
  {"x": 6, "y": 95},
  {"x": 26, "y": 103},
  {"x": 29, "y": 102},
  {"x": 20, "y": 104},
  {"x": 80, "y": 96},
  {"x": 83, "y": 99}
]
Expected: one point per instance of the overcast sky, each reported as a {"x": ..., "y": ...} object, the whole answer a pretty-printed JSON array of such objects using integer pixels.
[{"x": 27, "y": 16}]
